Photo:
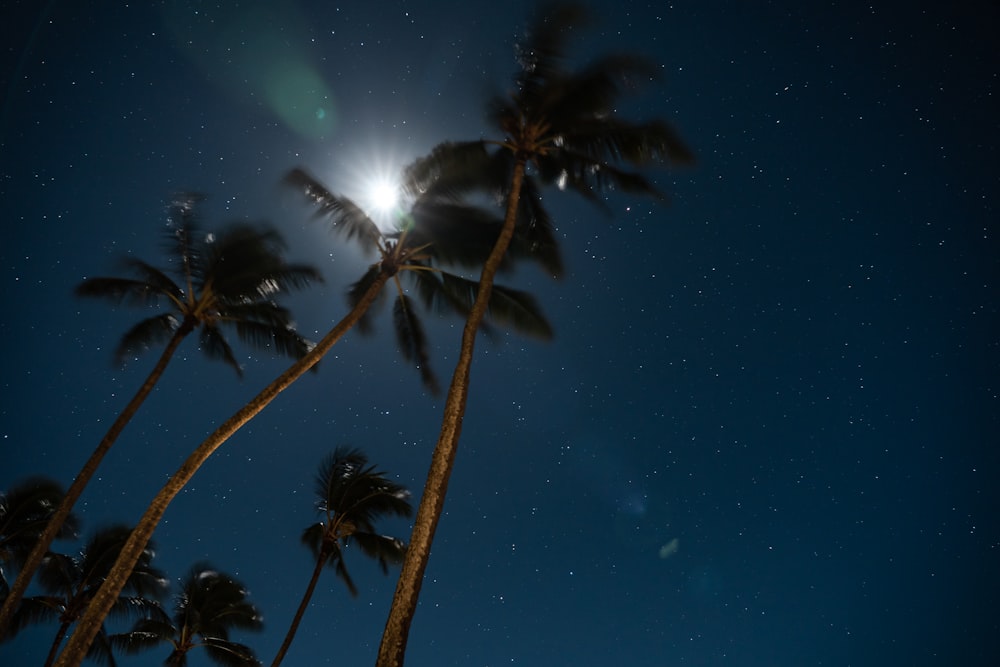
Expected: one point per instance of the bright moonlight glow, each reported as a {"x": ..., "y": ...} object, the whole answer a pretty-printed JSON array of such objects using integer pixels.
[{"x": 383, "y": 196}]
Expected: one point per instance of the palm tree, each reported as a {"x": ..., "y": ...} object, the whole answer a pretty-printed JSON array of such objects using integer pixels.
[
  {"x": 211, "y": 605},
  {"x": 25, "y": 510},
  {"x": 224, "y": 280},
  {"x": 350, "y": 496},
  {"x": 557, "y": 126},
  {"x": 405, "y": 250},
  {"x": 69, "y": 583}
]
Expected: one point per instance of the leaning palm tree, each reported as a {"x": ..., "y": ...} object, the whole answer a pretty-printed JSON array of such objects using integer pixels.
[
  {"x": 224, "y": 280},
  {"x": 410, "y": 249},
  {"x": 210, "y": 606},
  {"x": 351, "y": 496},
  {"x": 70, "y": 581},
  {"x": 25, "y": 510},
  {"x": 557, "y": 126}
]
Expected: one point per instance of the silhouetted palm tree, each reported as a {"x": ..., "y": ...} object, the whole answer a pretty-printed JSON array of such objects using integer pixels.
[
  {"x": 351, "y": 496},
  {"x": 557, "y": 127},
  {"x": 210, "y": 606},
  {"x": 398, "y": 252},
  {"x": 224, "y": 280},
  {"x": 69, "y": 584},
  {"x": 25, "y": 510}
]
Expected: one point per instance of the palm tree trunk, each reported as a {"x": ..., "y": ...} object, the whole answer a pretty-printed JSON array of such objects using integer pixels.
[
  {"x": 63, "y": 627},
  {"x": 404, "y": 602},
  {"x": 318, "y": 570},
  {"x": 83, "y": 477},
  {"x": 93, "y": 617}
]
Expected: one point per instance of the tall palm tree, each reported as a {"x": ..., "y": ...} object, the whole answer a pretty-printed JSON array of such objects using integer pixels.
[
  {"x": 226, "y": 280},
  {"x": 557, "y": 126},
  {"x": 410, "y": 249},
  {"x": 70, "y": 581},
  {"x": 25, "y": 510},
  {"x": 210, "y": 606},
  {"x": 351, "y": 496}
]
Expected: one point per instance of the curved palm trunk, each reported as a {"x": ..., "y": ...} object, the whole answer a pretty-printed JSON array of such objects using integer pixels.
[
  {"x": 404, "y": 602},
  {"x": 294, "y": 627},
  {"x": 90, "y": 623},
  {"x": 83, "y": 477},
  {"x": 63, "y": 627}
]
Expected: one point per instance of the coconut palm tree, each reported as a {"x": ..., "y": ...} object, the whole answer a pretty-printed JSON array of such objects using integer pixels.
[
  {"x": 556, "y": 127},
  {"x": 70, "y": 581},
  {"x": 350, "y": 497},
  {"x": 210, "y": 606},
  {"x": 25, "y": 509},
  {"x": 406, "y": 250},
  {"x": 226, "y": 280}
]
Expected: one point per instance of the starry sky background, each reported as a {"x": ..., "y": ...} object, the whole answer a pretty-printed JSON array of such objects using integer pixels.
[{"x": 791, "y": 370}]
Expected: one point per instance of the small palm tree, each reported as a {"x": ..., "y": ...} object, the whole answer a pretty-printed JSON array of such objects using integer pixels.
[
  {"x": 210, "y": 606},
  {"x": 398, "y": 252},
  {"x": 226, "y": 280},
  {"x": 25, "y": 510},
  {"x": 556, "y": 127},
  {"x": 70, "y": 581},
  {"x": 351, "y": 496}
]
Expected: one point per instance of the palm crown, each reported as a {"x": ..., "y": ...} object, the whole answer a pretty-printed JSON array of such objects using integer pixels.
[
  {"x": 25, "y": 509},
  {"x": 210, "y": 605},
  {"x": 228, "y": 279},
  {"x": 69, "y": 582},
  {"x": 437, "y": 231},
  {"x": 351, "y": 496}
]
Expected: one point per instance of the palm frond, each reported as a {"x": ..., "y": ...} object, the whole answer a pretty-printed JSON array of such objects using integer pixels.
[
  {"x": 534, "y": 236},
  {"x": 282, "y": 340},
  {"x": 136, "y": 607},
  {"x": 357, "y": 290},
  {"x": 341, "y": 571},
  {"x": 100, "y": 649},
  {"x": 145, "y": 334},
  {"x": 542, "y": 55},
  {"x": 127, "y": 291},
  {"x": 145, "y": 634},
  {"x": 35, "y": 610},
  {"x": 382, "y": 548},
  {"x": 344, "y": 215},
  {"x": 25, "y": 510},
  {"x": 230, "y": 654},
  {"x": 183, "y": 240},
  {"x": 413, "y": 341},
  {"x": 509, "y": 307},
  {"x": 214, "y": 345},
  {"x": 451, "y": 170}
]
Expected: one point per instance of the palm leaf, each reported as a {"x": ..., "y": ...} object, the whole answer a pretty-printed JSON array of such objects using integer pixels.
[
  {"x": 357, "y": 290},
  {"x": 123, "y": 290},
  {"x": 35, "y": 610},
  {"x": 230, "y": 654},
  {"x": 213, "y": 344},
  {"x": 382, "y": 548},
  {"x": 341, "y": 571},
  {"x": 283, "y": 340},
  {"x": 509, "y": 307},
  {"x": 413, "y": 341},
  {"x": 344, "y": 215},
  {"x": 145, "y": 634},
  {"x": 145, "y": 334}
]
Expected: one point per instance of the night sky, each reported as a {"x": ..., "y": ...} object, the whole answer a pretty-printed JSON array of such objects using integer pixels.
[{"x": 765, "y": 433}]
